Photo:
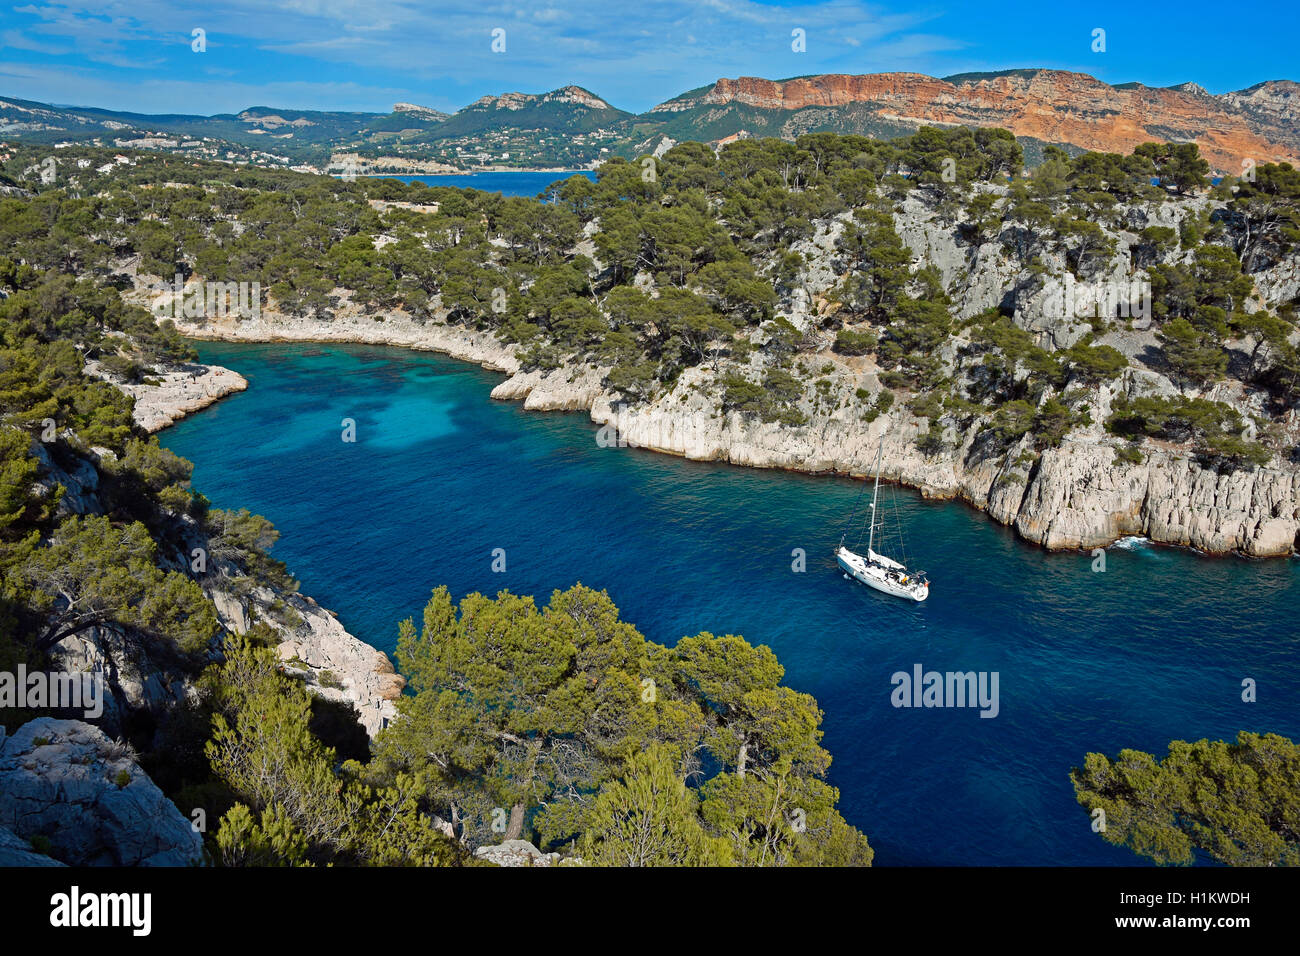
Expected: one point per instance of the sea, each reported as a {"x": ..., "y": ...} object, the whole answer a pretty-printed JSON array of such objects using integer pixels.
[
  {"x": 508, "y": 182},
  {"x": 1132, "y": 647}
]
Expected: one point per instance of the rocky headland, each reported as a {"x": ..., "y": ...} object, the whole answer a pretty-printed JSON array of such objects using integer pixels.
[{"x": 171, "y": 394}]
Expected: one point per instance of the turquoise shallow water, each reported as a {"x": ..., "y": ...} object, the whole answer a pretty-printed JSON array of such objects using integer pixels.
[{"x": 1153, "y": 649}]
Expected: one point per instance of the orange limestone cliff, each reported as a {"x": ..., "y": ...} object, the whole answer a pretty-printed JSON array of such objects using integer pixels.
[{"x": 1054, "y": 106}]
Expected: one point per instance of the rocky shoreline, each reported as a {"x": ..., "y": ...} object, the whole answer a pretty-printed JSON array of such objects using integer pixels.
[
  {"x": 314, "y": 646},
  {"x": 180, "y": 391},
  {"x": 1076, "y": 496},
  {"x": 394, "y": 329},
  {"x": 321, "y": 652}
]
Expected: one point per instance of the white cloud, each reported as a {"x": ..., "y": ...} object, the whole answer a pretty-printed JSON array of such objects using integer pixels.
[
  {"x": 179, "y": 95},
  {"x": 634, "y": 57}
]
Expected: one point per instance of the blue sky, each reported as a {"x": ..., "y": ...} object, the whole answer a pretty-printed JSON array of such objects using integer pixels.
[{"x": 369, "y": 54}]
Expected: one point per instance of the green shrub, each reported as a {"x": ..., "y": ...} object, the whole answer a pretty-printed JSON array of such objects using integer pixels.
[
  {"x": 848, "y": 342},
  {"x": 1212, "y": 428},
  {"x": 123, "y": 367},
  {"x": 931, "y": 442},
  {"x": 1128, "y": 455}
]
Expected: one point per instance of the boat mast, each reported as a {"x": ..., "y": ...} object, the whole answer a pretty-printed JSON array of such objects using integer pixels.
[{"x": 875, "y": 493}]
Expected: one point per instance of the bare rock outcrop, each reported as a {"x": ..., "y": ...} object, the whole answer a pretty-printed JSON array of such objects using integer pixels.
[
  {"x": 15, "y": 851},
  {"x": 316, "y": 648},
  {"x": 180, "y": 391},
  {"x": 560, "y": 390},
  {"x": 65, "y": 782},
  {"x": 135, "y": 675},
  {"x": 79, "y": 479},
  {"x": 339, "y": 666},
  {"x": 516, "y": 853},
  {"x": 1076, "y": 496}
]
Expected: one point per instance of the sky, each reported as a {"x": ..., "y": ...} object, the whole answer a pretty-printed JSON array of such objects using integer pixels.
[{"x": 142, "y": 56}]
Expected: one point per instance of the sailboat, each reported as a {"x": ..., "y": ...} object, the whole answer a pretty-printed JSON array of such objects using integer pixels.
[{"x": 876, "y": 570}]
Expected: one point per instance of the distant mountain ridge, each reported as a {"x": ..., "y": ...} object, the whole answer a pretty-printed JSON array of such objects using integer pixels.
[
  {"x": 572, "y": 125},
  {"x": 258, "y": 127},
  {"x": 570, "y": 108}
]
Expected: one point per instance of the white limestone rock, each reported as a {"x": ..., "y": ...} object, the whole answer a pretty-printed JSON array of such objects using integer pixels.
[
  {"x": 516, "y": 853},
  {"x": 343, "y": 667},
  {"x": 180, "y": 391}
]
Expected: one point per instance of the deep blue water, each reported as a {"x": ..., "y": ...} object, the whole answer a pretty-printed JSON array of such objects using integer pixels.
[
  {"x": 1151, "y": 650},
  {"x": 509, "y": 183}
]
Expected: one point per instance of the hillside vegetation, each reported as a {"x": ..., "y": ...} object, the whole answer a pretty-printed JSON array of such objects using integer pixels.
[{"x": 750, "y": 262}]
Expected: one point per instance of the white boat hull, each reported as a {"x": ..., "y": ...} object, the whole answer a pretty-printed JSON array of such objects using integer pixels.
[{"x": 886, "y": 580}]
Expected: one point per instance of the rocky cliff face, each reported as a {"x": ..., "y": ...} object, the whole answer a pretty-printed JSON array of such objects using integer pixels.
[
  {"x": 1273, "y": 106},
  {"x": 66, "y": 783},
  {"x": 1050, "y": 105},
  {"x": 316, "y": 648},
  {"x": 1078, "y": 495},
  {"x": 1074, "y": 496},
  {"x": 338, "y": 666},
  {"x": 139, "y": 676},
  {"x": 574, "y": 95}
]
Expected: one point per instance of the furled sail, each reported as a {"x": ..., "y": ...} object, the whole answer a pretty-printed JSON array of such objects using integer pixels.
[{"x": 881, "y": 559}]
